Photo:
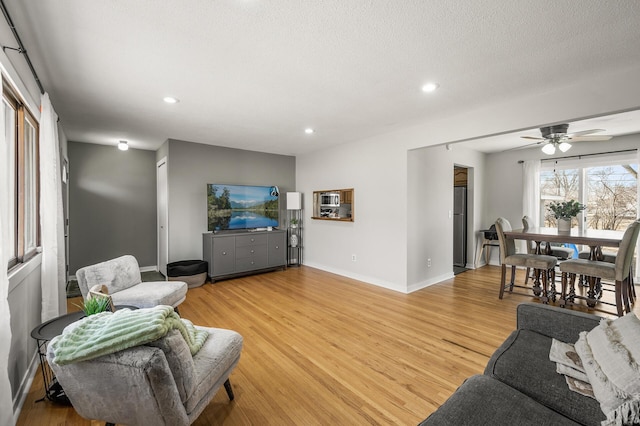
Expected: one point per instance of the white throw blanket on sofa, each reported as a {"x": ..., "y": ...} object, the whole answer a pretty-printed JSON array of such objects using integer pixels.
[{"x": 610, "y": 356}]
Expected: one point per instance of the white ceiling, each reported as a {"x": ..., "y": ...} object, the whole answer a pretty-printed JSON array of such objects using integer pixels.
[{"x": 254, "y": 74}]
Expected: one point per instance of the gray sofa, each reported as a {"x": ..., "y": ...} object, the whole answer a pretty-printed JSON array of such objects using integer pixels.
[{"x": 520, "y": 385}]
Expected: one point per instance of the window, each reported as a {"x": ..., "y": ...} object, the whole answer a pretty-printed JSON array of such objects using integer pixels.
[
  {"x": 21, "y": 139},
  {"x": 606, "y": 184}
]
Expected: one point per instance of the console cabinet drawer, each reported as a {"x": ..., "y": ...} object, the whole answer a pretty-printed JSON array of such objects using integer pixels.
[{"x": 251, "y": 240}]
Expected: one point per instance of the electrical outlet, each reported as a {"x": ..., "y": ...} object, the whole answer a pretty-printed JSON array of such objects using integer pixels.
[
  {"x": 429, "y": 263},
  {"x": 353, "y": 257}
]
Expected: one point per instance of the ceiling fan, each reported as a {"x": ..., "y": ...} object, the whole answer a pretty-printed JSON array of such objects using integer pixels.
[{"x": 557, "y": 136}]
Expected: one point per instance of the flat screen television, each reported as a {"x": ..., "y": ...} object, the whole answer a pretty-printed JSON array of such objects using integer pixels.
[{"x": 241, "y": 207}]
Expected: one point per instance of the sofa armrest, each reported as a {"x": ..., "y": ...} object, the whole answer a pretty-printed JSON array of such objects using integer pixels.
[{"x": 560, "y": 323}]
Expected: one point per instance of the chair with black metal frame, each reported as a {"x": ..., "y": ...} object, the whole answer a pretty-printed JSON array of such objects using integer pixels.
[
  {"x": 543, "y": 265},
  {"x": 618, "y": 272},
  {"x": 489, "y": 240}
]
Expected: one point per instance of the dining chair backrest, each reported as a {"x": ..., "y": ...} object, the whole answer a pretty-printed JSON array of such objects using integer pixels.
[
  {"x": 507, "y": 246},
  {"x": 626, "y": 250},
  {"x": 526, "y": 224}
]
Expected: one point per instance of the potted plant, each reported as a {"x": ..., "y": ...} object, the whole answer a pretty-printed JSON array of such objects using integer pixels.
[
  {"x": 95, "y": 305},
  {"x": 564, "y": 211},
  {"x": 294, "y": 222}
]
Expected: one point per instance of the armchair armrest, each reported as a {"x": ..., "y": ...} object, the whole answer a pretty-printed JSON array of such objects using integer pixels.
[{"x": 559, "y": 323}]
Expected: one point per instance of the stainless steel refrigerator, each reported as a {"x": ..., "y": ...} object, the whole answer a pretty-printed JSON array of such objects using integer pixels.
[{"x": 459, "y": 226}]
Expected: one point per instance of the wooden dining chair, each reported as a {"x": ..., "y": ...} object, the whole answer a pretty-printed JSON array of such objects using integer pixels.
[
  {"x": 543, "y": 265},
  {"x": 619, "y": 272},
  {"x": 560, "y": 253},
  {"x": 610, "y": 257}
]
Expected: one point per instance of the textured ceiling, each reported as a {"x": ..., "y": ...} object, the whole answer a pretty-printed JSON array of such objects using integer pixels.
[{"x": 254, "y": 74}]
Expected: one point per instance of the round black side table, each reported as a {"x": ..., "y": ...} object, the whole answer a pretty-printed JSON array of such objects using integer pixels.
[{"x": 43, "y": 333}]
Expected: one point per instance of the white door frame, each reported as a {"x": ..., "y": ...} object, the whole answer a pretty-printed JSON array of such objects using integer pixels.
[{"x": 162, "y": 197}]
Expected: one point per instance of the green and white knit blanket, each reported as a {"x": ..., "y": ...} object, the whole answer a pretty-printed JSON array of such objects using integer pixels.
[{"x": 110, "y": 332}]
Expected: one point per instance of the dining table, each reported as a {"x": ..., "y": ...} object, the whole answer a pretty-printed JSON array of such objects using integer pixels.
[{"x": 595, "y": 239}]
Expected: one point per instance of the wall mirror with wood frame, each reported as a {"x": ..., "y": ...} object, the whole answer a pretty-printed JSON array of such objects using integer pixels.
[{"x": 334, "y": 204}]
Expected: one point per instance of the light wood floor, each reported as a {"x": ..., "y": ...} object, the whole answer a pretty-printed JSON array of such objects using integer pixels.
[{"x": 320, "y": 349}]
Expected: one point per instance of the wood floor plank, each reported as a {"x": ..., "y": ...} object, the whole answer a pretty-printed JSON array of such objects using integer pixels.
[{"x": 324, "y": 349}]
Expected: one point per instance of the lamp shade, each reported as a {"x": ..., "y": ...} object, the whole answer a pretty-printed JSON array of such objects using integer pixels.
[
  {"x": 564, "y": 146},
  {"x": 294, "y": 201}
]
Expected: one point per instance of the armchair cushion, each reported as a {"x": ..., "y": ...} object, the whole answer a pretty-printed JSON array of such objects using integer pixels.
[
  {"x": 148, "y": 294},
  {"x": 124, "y": 282},
  {"x": 212, "y": 365}
]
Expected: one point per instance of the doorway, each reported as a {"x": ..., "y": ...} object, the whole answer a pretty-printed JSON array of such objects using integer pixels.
[{"x": 460, "y": 212}]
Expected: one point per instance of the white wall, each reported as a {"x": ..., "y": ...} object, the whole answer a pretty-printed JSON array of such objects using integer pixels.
[
  {"x": 377, "y": 235},
  {"x": 430, "y": 231},
  {"x": 378, "y": 169}
]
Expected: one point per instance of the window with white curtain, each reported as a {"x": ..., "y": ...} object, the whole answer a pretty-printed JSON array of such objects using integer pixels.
[
  {"x": 9, "y": 147},
  {"x": 21, "y": 142},
  {"x": 606, "y": 183}
]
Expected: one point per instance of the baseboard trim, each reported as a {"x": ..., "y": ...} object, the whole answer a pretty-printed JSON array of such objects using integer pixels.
[
  {"x": 25, "y": 387},
  {"x": 358, "y": 277},
  {"x": 427, "y": 283}
]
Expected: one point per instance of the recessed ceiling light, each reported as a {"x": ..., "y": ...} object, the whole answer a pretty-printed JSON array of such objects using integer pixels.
[
  {"x": 123, "y": 145},
  {"x": 171, "y": 100},
  {"x": 309, "y": 130},
  {"x": 430, "y": 87}
]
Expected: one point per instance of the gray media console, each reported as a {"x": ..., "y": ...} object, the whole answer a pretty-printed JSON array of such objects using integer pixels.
[{"x": 245, "y": 252}]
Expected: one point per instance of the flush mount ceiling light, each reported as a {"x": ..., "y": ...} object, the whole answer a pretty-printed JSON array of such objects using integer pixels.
[
  {"x": 309, "y": 130},
  {"x": 123, "y": 145},
  {"x": 430, "y": 87},
  {"x": 170, "y": 100}
]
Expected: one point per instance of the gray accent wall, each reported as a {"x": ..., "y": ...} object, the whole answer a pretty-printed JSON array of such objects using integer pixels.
[
  {"x": 191, "y": 166},
  {"x": 112, "y": 204}
]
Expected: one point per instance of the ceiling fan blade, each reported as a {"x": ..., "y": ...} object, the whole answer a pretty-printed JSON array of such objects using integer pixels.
[
  {"x": 522, "y": 147},
  {"x": 535, "y": 138},
  {"x": 590, "y": 138},
  {"x": 584, "y": 132}
]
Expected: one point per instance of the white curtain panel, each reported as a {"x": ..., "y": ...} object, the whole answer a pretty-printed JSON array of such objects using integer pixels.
[
  {"x": 51, "y": 216},
  {"x": 6, "y": 404},
  {"x": 531, "y": 190}
]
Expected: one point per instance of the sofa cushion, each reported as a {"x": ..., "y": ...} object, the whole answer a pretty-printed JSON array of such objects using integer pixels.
[
  {"x": 482, "y": 400},
  {"x": 522, "y": 362}
]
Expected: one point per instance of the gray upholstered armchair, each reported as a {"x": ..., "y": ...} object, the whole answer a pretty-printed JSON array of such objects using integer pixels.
[
  {"x": 159, "y": 383},
  {"x": 124, "y": 283}
]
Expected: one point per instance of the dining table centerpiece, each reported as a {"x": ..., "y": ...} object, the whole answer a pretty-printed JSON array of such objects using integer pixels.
[{"x": 564, "y": 212}]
